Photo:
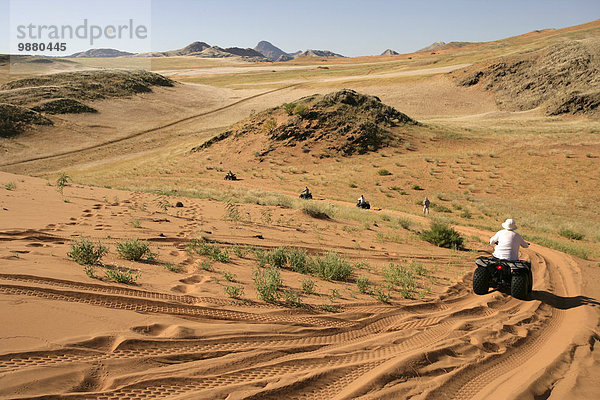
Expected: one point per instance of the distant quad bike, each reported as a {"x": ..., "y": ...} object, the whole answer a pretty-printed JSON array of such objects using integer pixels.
[
  {"x": 306, "y": 196},
  {"x": 513, "y": 276},
  {"x": 230, "y": 177},
  {"x": 364, "y": 205}
]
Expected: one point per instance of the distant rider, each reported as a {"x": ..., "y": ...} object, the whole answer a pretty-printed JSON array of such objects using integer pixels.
[
  {"x": 306, "y": 192},
  {"x": 508, "y": 242},
  {"x": 361, "y": 200}
]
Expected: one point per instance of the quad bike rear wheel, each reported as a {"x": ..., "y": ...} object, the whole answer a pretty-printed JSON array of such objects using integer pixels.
[
  {"x": 481, "y": 281},
  {"x": 519, "y": 286}
]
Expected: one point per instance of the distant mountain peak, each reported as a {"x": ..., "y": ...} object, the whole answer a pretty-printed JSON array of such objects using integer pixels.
[
  {"x": 390, "y": 52},
  {"x": 433, "y": 46}
]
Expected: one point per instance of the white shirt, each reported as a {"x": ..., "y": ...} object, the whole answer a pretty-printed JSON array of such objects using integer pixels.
[{"x": 507, "y": 244}]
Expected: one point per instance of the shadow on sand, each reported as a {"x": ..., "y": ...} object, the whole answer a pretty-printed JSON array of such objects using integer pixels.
[{"x": 563, "y": 303}]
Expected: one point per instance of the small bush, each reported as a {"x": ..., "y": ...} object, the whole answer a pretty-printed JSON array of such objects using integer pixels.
[
  {"x": 404, "y": 223},
  {"x": 229, "y": 276},
  {"x": 289, "y": 108},
  {"x": 308, "y": 286},
  {"x": 232, "y": 211},
  {"x": 135, "y": 250},
  {"x": 62, "y": 181},
  {"x": 570, "y": 234},
  {"x": 381, "y": 295},
  {"x": 398, "y": 275},
  {"x": 301, "y": 110},
  {"x": 316, "y": 210},
  {"x": 278, "y": 257},
  {"x": 85, "y": 252},
  {"x": 352, "y": 185},
  {"x": 269, "y": 125},
  {"x": 417, "y": 187},
  {"x": 363, "y": 284},
  {"x": 384, "y": 172},
  {"x": 122, "y": 276},
  {"x": 267, "y": 283},
  {"x": 90, "y": 271},
  {"x": 331, "y": 267},
  {"x": 443, "y": 235},
  {"x": 173, "y": 267},
  {"x": 235, "y": 292},
  {"x": 292, "y": 298},
  {"x": 10, "y": 186},
  {"x": 298, "y": 260},
  {"x": 419, "y": 268},
  {"x": 206, "y": 265},
  {"x": 214, "y": 252}
]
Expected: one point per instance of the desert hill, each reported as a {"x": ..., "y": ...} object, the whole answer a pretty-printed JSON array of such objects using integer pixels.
[
  {"x": 92, "y": 53},
  {"x": 432, "y": 46},
  {"x": 62, "y": 93},
  {"x": 202, "y": 49},
  {"x": 390, "y": 52},
  {"x": 561, "y": 78},
  {"x": 344, "y": 122},
  {"x": 272, "y": 52}
]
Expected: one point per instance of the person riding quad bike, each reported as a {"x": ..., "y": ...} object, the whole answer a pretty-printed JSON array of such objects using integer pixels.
[
  {"x": 362, "y": 203},
  {"x": 230, "y": 176},
  {"x": 306, "y": 194},
  {"x": 504, "y": 270}
]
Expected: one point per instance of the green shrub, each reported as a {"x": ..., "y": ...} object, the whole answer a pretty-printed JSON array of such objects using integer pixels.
[
  {"x": 122, "y": 276},
  {"x": 443, "y": 235},
  {"x": 298, "y": 260},
  {"x": 363, "y": 284},
  {"x": 173, "y": 267},
  {"x": 262, "y": 257},
  {"x": 292, "y": 298},
  {"x": 308, "y": 286},
  {"x": 90, "y": 271},
  {"x": 417, "y": 187},
  {"x": 418, "y": 268},
  {"x": 404, "y": 223},
  {"x": 235, "y": 292},
  {"x": 214, "y": 252},
  {"x": 10, "y": 186},
  {"x": 301, "y": 110},
  {"x": 85, "y": 252},
  {"x": 278, "y": 257},
  {"x": 289, "y": 108},
  {"x": 440, "y": 208},
  {"x": 398, "y": 275},
  {"x": 229, "y": 276},
  {"x": 269, "y": 125},
  {"x": 206, "y": 265},
  {"x": 384, "y": 172},
  {"x": 381, "y": 295},
  {"x": 135, "y": 250},
  {"x": 331, "y": 266},
  {"x": 570, "y": 234},
  {"x": 317, "y": 210},
  {"x": 62, "y": 181},
  {"x": 267, "y": 283}
]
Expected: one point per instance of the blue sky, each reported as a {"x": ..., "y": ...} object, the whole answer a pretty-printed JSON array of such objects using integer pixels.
[{"x": 351, "y": 27}]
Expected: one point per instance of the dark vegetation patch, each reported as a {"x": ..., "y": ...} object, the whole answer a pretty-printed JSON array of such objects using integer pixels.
[
  {"x": 14, "y": 119},
  {"x": 345, "y": 122},
  {"x": 63, "y": 106}
]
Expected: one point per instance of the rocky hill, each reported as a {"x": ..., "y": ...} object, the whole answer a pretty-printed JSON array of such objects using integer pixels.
[
  {"x": 97, "y": 53},
  {"x": 561, "y": 78},
  {"x": 317, "y": 53},
  {"x": 22, "y": 101},
  {"x": 344, "y": 122},
  {"x": 270, "y": 51},
  {"x": 432, "y": 46},
  {"x": 390, "y": 52}
]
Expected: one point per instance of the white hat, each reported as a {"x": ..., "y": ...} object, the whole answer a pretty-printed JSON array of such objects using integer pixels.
[{"x": 509, "y": 224}]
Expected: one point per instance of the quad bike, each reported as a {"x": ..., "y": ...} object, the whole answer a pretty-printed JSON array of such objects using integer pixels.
[
  {"x": 364, "y": 205},
  {"x": 306, "y": 196},
  {"x": 513, "y": 276},
  {"x": 230, "y": 177}
]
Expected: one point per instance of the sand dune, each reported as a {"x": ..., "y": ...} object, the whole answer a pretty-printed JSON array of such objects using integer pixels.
[{"x": 176, "y": 335}]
